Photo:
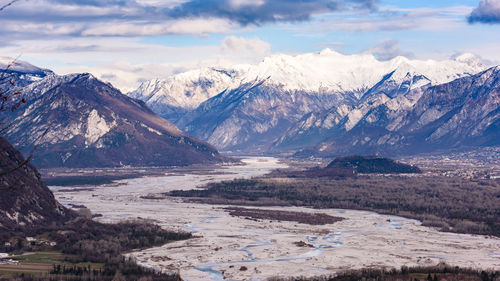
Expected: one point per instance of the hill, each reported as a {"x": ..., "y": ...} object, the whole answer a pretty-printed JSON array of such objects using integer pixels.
[{"x": 372, "y": 165}]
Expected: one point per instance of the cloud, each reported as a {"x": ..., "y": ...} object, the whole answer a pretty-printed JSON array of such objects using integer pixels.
[
  {"x": 183, "y": 26},
  {"x": 125, "y": 62},
  {"x": 488, "y": 53},
  {"x": 240, "y": 45},
  {"x": 387, "y": 50},
  {"x": 488, "y": 11},
  {"x": 390, "y": 18},
  {"x": 258, "y": 12},
  {"x": 330, "y": 44},
  {"x": 233, "y": 49},
  {"x": 75, "y": 18}
]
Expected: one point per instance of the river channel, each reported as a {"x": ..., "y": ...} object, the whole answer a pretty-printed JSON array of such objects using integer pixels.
[{"x": 233, "y": 248}]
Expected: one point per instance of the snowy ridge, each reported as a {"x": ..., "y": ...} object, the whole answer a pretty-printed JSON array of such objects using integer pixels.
[
  {"x": 20, "y": 73},
  {"x": 290, "y": 101},
  {"x": 188, "y": 89},
  {"x": 462, "y": 113},
  {"x": 329, "y": 71},
  {"x": 44, "y": 85},
  {"x": 7, "y": 63},
  {"x": 324, "y": 72},
  {"x": 336, "y": 72}
]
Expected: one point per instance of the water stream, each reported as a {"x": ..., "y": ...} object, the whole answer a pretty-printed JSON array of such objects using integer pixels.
[{"x": 351, "y": 243}]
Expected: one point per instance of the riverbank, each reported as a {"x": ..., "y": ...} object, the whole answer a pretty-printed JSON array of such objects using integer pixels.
[{"x": 245, "y": 249}]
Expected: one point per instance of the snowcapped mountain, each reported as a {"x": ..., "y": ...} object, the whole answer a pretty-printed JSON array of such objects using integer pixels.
[
  {"x": 20, "y": 73},
  {"x": 325, "y": 72},
  {"x": 461, "y": 113},
  {"x": 250, "y": 117},
  {"x": 286, "y": 101},
  {"x": 330, "y": 72},
  {"x": 173, "y": 97},
  {"x": 393, "y": 90},
  {"x": 90, "y": 123},
  {"x": 8, "y": 64}
]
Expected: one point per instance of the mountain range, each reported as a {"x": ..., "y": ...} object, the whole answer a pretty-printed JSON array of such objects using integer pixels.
[
  {"x": 328, "y": 104},
  {"x": 317, "y": 104},
  {"x": 77, "y": 120}
]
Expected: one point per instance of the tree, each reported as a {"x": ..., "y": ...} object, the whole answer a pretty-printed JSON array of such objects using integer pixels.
[
  {"x": 10, "y": 100},
  {"x": 8, "y": 4}
]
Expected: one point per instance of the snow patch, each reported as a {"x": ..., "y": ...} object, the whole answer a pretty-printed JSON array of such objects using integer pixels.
[
  {"x": 97, "y": 127},
  {"x": 151, "y": 129},
  {"x": 59, "y": 133}
]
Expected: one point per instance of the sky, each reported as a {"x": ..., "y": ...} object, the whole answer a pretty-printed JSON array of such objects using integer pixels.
[{"x": 126, "y": 42}]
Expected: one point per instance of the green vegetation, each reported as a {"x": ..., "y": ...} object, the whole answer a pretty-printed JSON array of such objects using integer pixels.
[
  {"x": 451, "y": 204},
  {"x": 433, "y": 273},
  {"x": 372, "y": 165},
  {"x": 40, "y": 257},
  {"x": 40, "y": 263},
  {"x": 87, "y": 250},
  {"x": 301, "y": 217},
  {"x": 97, "y": 242}
]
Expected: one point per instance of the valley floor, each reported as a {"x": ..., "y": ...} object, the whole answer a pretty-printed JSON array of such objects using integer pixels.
[{"x": 239, "y": 248}]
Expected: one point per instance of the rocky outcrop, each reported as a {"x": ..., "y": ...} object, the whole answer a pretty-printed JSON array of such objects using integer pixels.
[{"x": 25, "y": 202}]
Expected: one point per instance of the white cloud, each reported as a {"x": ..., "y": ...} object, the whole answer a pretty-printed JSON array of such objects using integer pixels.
[
  {"x": 243, "y": 46},
  {"x": 387, "y": 50},
  {"x": 390, "y": 18},
  {"x": 125, "y": 62},
  {"x": 156, "y": 17},
  {"x": 488, "y": 53},
  {"x": 242, "y": 3},
  {"x": 184, "y": 26},
  {"x": 161, "y": 3},
  {"x": 201, "y": 26},
  {"x": 41, "y": 29},
  {"x": 331, "y": 44}
]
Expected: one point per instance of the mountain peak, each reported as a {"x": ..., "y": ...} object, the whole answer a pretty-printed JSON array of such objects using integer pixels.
[
  {"x": 329, "y": 52},
  {"x": 10, "y": 64},
  {"x": 22, "y": 73},
  {"x": 400, "y": 60},
  {"x": 470, "y": 59},
  {"x": 81, "y": 77},
  {"x": 94, "y": 124}
]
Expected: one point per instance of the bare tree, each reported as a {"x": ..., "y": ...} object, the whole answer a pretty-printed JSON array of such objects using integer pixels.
[
  {"x": 10, "y": 100},
  {"x": 8, "y": 4}
]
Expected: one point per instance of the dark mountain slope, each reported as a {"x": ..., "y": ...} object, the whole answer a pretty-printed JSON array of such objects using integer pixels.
[
  {"x": 25, "y": 202},
  {"x": 251, "y": 117},
  {"x": 455, "y": 115},
  {"x": 91, "y": 124}
]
